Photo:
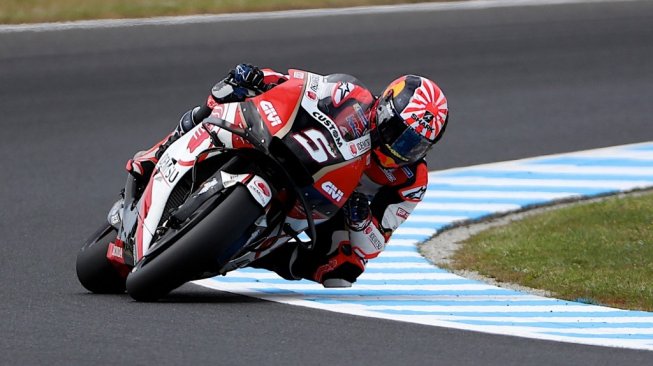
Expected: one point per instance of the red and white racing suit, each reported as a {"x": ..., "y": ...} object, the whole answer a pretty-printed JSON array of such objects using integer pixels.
[{"x": 342, "y": 250}]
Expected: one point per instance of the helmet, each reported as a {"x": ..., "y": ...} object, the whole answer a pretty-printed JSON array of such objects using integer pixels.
[{"x": 411, "y": 115}]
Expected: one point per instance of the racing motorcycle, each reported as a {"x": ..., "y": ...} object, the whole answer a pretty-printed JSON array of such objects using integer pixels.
[{"x": 250, "y": 177}]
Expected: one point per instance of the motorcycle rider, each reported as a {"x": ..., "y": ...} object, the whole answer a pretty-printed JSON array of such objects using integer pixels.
[{"x": 405, "y": 121}]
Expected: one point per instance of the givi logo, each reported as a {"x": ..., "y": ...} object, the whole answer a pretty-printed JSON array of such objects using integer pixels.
[
  {"x": 270, "y": 113},
  {"x": 332, "y": 191}
]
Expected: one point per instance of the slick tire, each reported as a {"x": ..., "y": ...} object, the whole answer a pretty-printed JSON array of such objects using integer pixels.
[
  {"x": 185, "y": 260},
  {"x": 94, "y": 270}
]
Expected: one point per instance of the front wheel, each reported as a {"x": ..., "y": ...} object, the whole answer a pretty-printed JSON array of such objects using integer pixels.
[
  {"x": 94, "y": 270},
  {"x": 198, "y": 250}
]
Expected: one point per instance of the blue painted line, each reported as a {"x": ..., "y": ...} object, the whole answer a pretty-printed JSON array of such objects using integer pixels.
[
  {"x": 483, "y": 200},
  {"x": 606, "y": 336},
  {"x": 578, "y": 325},
  {"x": 403, "y": 270},
  {"x": 461, "y": 304},
  {"x": 597, "y": 162},
  {"x": 460, "y": 281},
  {"x": 522, "y": 314},
  {"x": 508, "y": 188},
  {"x": 371, "y": 269},
  {"x": 496, "y": 305},
  {"x": 400, "y": 260},
  {"x": 366, "y": 293},
  {"x": 416, "y": 237},
  {"x": 646, "y": 147},
  {"x": 554, "y": 176},
  {"x": 450, "y": 212},
  {"x": 397, "y": 248}
]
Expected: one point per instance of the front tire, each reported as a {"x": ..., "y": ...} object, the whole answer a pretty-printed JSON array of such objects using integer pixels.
[
  {"x": 94, "y": 270},
  {"x": 196, "y": 251}
]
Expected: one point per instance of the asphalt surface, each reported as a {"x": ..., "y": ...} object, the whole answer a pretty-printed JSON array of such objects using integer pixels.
[{"x": 75, "y": 105}]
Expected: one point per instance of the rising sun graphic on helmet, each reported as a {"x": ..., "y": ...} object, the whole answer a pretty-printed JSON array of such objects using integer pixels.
[{"x": 411, "y": 115}]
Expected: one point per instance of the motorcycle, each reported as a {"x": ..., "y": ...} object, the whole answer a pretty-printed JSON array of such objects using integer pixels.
[{"x": 249, "y": 178}]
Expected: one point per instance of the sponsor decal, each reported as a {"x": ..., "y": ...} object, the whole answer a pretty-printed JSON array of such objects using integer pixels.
[
  {"x": 333, "y": 191},
  {"x": 326, "y": 122},
  {"x": 259, "y": 190},
  {"x": 270, "y": 113},
  {"x": 388, "y": 174},
  {"x": 207, "y": 185},
  {"x": 408, "y": 172},
  {"x": 116, "y": 251},
  {"x": 361, "y": 115},
  {"x": 229, "y": 179},
  {"x": 168, "y": 168},
  {"x": 364, "y": 144},
  {"x": 414, "y": 194},
  {"x": 199, "y": 136},
  {"x": 357, "y": 122},
  {"x": 313, "y": 83},
  {"x": 353, "y": 126},
  {"x": 402, "y": 213},
  {"x": 341, "y": 92},
  {"x": 368, "y": 230},
  {"x": 115, "y": 219},
  {"x": 425, "y": 123},
  {"x": 375, "y": 240},
  {"x": 264, "y": 188},
  {"x": 298, "y": 74},
  {"x": 353, "y": 149}
]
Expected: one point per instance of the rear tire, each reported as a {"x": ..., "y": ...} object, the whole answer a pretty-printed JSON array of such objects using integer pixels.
[
  {"x": 94, "y": 270},
  {"x": 196, "y": 251}
]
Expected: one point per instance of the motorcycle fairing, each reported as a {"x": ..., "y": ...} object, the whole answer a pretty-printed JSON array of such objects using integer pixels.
[{"x": 332, "y": 182}]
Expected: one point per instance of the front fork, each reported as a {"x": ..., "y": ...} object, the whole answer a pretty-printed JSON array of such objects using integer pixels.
[{"x": 123, "y": 216}]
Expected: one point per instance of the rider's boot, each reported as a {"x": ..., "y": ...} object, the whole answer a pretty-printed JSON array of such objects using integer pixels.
[
  {"x": 143, "y": 163},
  {"x": 333, "y": 264}
]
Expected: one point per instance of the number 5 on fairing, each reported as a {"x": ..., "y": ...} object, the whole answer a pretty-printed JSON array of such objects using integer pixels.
[{"x": 318, "y": 150}]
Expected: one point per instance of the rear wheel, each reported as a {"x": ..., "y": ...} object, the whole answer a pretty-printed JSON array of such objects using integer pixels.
[
  {"x": 212, "y": 240},
  {"x": 94, "y": 270}
]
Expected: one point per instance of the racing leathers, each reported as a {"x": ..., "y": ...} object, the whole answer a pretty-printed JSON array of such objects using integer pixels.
[{"x": 360, "y": 231}]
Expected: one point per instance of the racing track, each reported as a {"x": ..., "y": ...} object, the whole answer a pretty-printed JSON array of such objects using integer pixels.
[{"x": 76, "y": 104}]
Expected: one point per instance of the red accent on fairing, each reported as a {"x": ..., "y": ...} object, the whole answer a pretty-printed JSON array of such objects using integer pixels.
[
  {"x": 210, "y": 102},
  {"x": 115, "y": 257},
  {"x": 272, "y": 77},
  {"x": 145, "y": 203},
  {"x": 284, "y": 99},
  {"x": 341, "y": 179},
  {"x": 199, "y": 136},
  {"x": 186, "y": 163}
]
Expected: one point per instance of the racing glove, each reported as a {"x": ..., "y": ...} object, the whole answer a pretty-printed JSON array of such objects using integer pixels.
[
  {"x": 247, "y": 80},
  {"x": 242, "y": 82},
  {"x": 357, "y": 212}
]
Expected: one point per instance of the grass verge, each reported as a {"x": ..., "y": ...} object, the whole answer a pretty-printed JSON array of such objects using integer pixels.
[
  {"x": 35, "y": 11},
  {"x": 600, "y": 253}
]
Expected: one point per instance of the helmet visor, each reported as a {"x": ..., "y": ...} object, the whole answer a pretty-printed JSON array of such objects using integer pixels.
[{"x": 398, "y": 140}]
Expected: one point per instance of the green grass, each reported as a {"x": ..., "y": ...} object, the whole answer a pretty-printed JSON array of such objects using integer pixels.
[
  {"x": 599, "y": 253},
  {"x": 33, "y": 11}
]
